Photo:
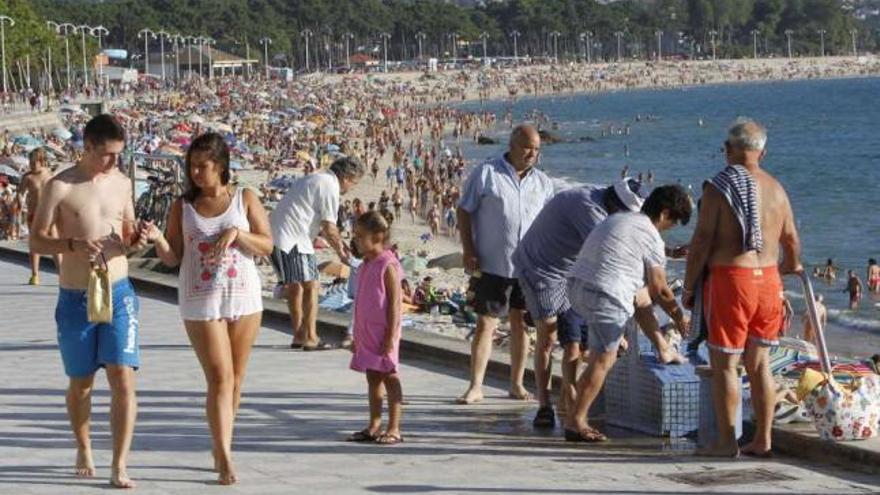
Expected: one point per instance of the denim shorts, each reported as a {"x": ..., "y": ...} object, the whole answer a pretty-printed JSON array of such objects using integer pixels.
[
  {"x": 87, "y": 346},
  {"x": 606, "y": 319}
]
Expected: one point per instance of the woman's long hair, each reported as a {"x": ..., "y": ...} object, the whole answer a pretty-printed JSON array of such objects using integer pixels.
[{"x": 215, "y": 146}]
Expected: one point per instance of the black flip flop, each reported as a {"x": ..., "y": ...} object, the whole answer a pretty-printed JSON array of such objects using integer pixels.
[
  {"x": 758, "y": 455},
  {"x": 320, "y": 346},
  {"x": 362, "y": 436},
  {"x": 545, "y": 418},
  {"x": 594, "y": 436},
  {"x": 296, "y": 346}
]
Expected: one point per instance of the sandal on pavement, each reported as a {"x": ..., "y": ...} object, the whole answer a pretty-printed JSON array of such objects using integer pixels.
[
  {"x": 362, "y": 436},
  {"x": 389, "y": 439},
  {"x": 545, "y": 418},
  {"x": 588, "y": 435},
  {"x": 320, "y": 346}
]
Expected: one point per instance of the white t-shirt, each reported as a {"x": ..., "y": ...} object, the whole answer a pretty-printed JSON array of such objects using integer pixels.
[
  {"x": 617, "y": 254},
  {"x": 296, "y": 221}
]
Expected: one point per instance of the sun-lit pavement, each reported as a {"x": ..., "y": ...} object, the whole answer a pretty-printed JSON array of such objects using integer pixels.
[{"x": 297, "y": 409}]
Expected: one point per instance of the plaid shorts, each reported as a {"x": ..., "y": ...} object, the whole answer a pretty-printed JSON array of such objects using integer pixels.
[
  {"x": 544, "y": 298},
  {"x": 294, "y": 267}
]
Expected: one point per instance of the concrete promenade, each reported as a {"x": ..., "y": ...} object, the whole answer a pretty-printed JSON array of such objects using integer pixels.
[{"x": 298, "y": 407}]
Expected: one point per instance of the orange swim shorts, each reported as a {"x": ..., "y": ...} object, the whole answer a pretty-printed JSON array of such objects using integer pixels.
[{"x": 743, "y": 304}]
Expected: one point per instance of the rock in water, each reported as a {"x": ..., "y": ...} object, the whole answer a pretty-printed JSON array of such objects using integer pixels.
[{"x": 548, "y": 137}]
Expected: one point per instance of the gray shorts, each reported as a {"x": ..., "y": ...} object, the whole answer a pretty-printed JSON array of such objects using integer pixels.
[
  {"x": 606, "y": 319},
  {"x": 545, "y": 298},
  {"x": 294, "y": 267}
]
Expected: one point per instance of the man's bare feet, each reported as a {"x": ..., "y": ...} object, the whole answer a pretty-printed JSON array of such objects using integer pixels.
[
  {"x": 85, "y": 468},
  {"x": 728, "y": 452},
  {"x": 119, "y": 479},
  {"x": 752, "y": 449},
  {"x": 520, "y": 393},
  {"x": 472, "y": 396}
]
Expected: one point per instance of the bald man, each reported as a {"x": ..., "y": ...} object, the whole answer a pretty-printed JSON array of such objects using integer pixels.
[{"x": 500, "y": 199}]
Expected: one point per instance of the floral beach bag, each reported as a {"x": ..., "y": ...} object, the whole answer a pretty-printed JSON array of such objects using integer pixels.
[{"x": 843, "y": 412}]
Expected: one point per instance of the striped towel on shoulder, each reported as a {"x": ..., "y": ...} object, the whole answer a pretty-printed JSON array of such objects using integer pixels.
[{"x": 740, "y": 190}]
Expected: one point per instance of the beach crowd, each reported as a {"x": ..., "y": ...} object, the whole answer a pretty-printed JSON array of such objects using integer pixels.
[{"x": 262, "y": 170}]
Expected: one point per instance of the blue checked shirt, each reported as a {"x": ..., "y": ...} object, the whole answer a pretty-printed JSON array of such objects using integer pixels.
[{"x": 502, "y": 208}]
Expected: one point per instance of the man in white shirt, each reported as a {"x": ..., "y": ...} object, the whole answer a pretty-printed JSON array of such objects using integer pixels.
[
  {"x": 620, "y": 256},
  {"x": 309, "y": 209}
]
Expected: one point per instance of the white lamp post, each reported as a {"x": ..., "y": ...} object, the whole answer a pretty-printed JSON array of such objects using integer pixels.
[
  {"x": 3, "y": 20},
  {"x": 348, "y": 37},
  {"x": 484, "y": 36},
  {"x": 266, "y": 41},
  {"x": 788, "y": 33},
  {"x": 145, "y": 33},
  {"x": 385, "y": 38},
  {"x": 714, "y": 35},
  {"x": 210, "y": 42},
  {"x": 99, "y": 32},
  {"x": 822, "y": 34},
  {"x": 619, "y": 36},
  {"x": 420, "y": 36},
  {"x": 162, "y": 35},
  {"x": 306, "y": 34},
  {"x": 515, "y": 35},
  {"x": 853, "y": 32},
  {"x": 555, "y": 35},
  {"x": 83, "y": 30},
  {"x": 755, "y": 34},
  {"x": 659, "y": 34}
]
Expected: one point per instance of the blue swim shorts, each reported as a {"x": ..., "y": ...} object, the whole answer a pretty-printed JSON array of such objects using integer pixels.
[{"x": 87, "y": 346}]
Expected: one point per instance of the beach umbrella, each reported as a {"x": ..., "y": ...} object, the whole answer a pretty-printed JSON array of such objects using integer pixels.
[
  {"x": 332, "y": 148},
  {"x": 9, "y": 172},
  {"x": 62, "y": 133},
  {"x": 414, "y": 264},
  {"x": 17, "y": 162},
  {"x": 27, "y": 140}
]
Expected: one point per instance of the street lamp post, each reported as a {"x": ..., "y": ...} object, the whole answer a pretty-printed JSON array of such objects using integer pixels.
[
  {"x": 659, "y": 34},
  {"x": 99, "y": 32},
  {"x": 788, "y": 33},
  {"x": 755, "y": 34},
  {"x": 853, "y": 32},
  {"x": 713, "y": 35},
  {"x": 555, "y": 35},
  {"x": 420, "y": 36},
  {"x": 329, "y": 47},
  {"x": 822, "y": 34},
  {"x": 266, "y": 41},
  {"x": 82, "y": 29},
  {"x": 162, "y": 35},
  {"x": 619, "y": 35},
  {"x": 587, "y": 38},
  {"x": 515, "y": 35},
  {"x": 66, "y": 28},
  {"x": 210, "y": 42},
  {"x": 454, "y": 36},
  {"x": 190, "y": 41},
  {"x": 54, "y": 26},
  {"x": 177, "y": 38},
  {"x": 306, "y": 34},
  {"x": 201, "y": 41},
  {"x": 145, "y": 33},
  {"x": 484, "y": 36},
  {"x": 3, "y": 20},
  {"x": 350, "y": 36},
  {"x": 385, "y": 37}
]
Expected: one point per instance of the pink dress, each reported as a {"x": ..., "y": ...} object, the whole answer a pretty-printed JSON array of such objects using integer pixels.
[{"x": 371, "y": 317}]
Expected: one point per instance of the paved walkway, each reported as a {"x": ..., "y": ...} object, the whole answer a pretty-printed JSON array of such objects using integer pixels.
[{"x": 296, "y": 410}]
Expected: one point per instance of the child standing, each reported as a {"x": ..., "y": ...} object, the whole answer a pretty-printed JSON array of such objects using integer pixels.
[{"x": 377, "y": 328}]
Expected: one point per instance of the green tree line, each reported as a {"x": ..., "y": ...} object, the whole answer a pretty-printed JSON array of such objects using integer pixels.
[{"x": 545, "y": 27}]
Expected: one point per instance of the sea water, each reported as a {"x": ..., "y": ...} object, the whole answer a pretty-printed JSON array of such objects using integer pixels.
[{"x": 822, "y": 146}]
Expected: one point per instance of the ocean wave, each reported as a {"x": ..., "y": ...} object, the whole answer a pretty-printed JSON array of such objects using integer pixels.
[{"x": 848, "y": 319}]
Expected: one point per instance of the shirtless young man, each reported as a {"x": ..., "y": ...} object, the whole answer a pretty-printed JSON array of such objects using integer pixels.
[
  {"x": 91, "y": 206},
  {"x": 743, "y": 293},
  {"x": 32, "y": 185},
  {"x": 873, "y": 276}
]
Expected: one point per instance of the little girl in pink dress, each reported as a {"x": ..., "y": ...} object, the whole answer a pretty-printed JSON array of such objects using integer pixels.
[{"x": 377, "y": 315}]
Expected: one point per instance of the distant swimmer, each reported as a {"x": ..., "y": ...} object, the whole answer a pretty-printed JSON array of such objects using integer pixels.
[
  {"x": 829, "y": 272},
  {"x": 854, "y": 288},
  {"x": 700, "y": 122},
  {"x": 821, "y": 315},
  {"x": 873, "y": 276},
  {"x": 624, "y": 172}
]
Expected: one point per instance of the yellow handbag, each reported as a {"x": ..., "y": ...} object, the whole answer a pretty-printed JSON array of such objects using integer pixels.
[{"x": 100, "y": 295}]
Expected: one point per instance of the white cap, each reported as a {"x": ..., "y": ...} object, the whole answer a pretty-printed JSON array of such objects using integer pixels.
[{"x": 630, "y": 199}]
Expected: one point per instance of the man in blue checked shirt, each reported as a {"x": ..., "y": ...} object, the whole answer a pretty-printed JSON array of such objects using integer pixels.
[{"x": 499, "y": 201}]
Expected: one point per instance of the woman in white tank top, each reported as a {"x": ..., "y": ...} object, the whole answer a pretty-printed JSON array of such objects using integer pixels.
[{"x": 214, "y": 232}]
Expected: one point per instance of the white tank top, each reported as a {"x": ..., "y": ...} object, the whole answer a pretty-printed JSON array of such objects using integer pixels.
[{"x": 226, "y": 290}]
